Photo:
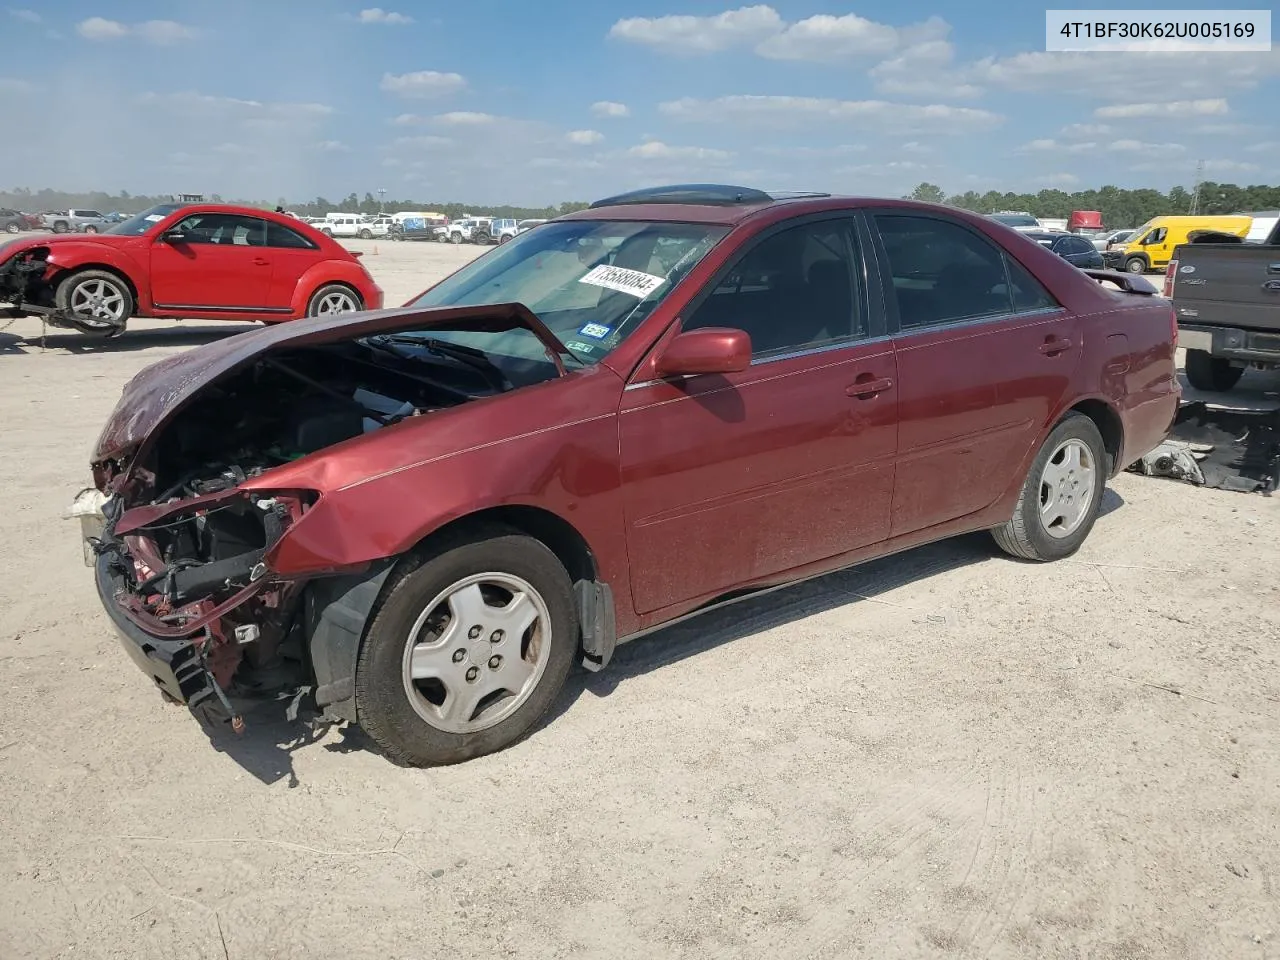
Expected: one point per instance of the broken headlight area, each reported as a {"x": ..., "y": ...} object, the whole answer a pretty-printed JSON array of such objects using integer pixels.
[
  {"x": 23, "y": 281},
  {"x": 192, "y": 580}
]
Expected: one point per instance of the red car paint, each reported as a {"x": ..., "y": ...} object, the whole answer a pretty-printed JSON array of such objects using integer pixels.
[
  {"x": 209, "y": 281},
  {"x": 684, "y": 489}
]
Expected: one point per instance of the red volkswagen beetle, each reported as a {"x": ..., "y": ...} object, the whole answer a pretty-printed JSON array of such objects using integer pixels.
[
  {"x": 205, "y": 261},
  {"x": 674, "y": 398}
]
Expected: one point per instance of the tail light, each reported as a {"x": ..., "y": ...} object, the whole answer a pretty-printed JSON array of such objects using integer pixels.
[{"x": 1170, "y": 273}]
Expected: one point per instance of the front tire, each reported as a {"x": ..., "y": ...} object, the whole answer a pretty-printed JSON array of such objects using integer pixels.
[
  {"x": 60, "y": 227},
  {"x": 1207, "y": 372},
  {"x": 1060, "y": 498},
  {"x": 90, "y": 229},
  {"x": 11, "y": 228},
  {"x": 333, "y": 298},
  {"x": 366, "y": 235},
  {"x": 468, "y": 650},
  {"x": 99, "y": 299},
  {"x": 1136, "y": 265}
]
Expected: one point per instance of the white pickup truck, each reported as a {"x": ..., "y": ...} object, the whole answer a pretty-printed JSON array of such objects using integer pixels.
[{"x": 75, "y": 221}]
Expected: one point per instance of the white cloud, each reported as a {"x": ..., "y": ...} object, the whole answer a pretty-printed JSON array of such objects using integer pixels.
[
  {"x": 657, "y": 150},
  {"x": 1139, "y": 146},
  {"x": 1268, "y": 147},
  {"x": 97, "y": 28},
  {"x": 780, "y": 111},
  {"x": 1049, "y": 145},
  {"x": 688, "y": 34},
  {"x": 1166, "y": 108},
  {"x": 465, "y": 118},
  {"x": 425, "y": 142},
  {"x": 332, "y": 146},
  {"x": 830, "y": 38},
  {"x": 1230, "y": 166},
  {"x": 890, "y": 168},
  {"x": 14, "y": 85},
  {"x": 912, "y": 146},
  {"x": 584, "y": 137},
  {"x": 1073, "y": 130},
  {"x": 26, "y": 16},
  {"x": 163, "y": 32},
  {"x": 814, "y": 153},
  {"x": 924, "y": 70},
  {"x": 408, "y": 120},
  {"x": 608, "y": 108},
  {"x": 422, "y": 83},
  {"x": 159, "y": 32},
  {"x": 378, "y": 15}
]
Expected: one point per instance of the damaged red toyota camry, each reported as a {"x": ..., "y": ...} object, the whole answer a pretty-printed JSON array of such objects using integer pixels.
[{"x": 673, "y": 399}]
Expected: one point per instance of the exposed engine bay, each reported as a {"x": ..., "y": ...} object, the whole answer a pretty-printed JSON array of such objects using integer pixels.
[{"x": 185, "y": 547}]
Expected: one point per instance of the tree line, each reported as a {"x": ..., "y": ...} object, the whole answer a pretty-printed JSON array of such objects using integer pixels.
[
  {"x": 1120, "y": 208},
  {"x": 42, "y": 201}
]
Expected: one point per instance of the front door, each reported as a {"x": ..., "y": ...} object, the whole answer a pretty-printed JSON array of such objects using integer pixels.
[
  {"x": 730, "y": 479},
  {"x": 220, "y": 263},
  {"x": 984, "y": 355}
]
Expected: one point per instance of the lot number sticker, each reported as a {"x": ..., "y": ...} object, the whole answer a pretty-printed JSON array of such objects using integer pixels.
[{"x": 634, "y": 282}]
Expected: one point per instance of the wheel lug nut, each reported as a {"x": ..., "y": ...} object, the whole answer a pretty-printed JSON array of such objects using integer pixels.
[
  {"x": 472, "y": 673},
  {"x": 495, "y": 663},
  {"x": 458, "y": 655},
  {"x": 475, "y": 631},
  {"x": 496, "y": 636}
]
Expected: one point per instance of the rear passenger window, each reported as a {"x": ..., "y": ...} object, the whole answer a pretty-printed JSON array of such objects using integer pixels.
[
  {"x": 1028, "y": 293},
  {"x": 281, "y": 236},
  {"x": 942, "y": 272},
  {"x": 796, "y": 290}
]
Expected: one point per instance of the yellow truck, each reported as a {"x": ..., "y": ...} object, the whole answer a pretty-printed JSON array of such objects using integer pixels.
[{"x": 1152, "y": 244}]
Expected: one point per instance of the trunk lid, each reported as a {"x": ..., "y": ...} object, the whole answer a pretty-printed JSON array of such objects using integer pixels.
[{"x": 1233, "y": 285}]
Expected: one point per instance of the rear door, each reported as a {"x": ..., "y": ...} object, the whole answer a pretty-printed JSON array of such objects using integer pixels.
[
  {"x": 729, "y": 479},
  {"x": 221, "y": 263},
  {"x": 984, "y": 354}
]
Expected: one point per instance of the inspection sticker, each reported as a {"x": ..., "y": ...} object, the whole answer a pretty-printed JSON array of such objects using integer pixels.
[
  {"x": 634, "y": 282},
  {"x": 597, "y": 331}
]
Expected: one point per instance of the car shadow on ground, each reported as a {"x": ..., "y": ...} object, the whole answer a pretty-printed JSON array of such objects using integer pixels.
[
  {"x": 270, "y": 739},
  {"x": 71, "y": 342}
]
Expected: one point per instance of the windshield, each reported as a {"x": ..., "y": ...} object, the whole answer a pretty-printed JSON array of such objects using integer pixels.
[
  {"x": 590, "y": 281},
  {"x": 140, "y": 223}
]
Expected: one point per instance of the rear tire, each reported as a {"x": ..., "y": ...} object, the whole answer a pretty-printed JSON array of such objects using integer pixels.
[
  {"x": 333, "y": 298},
  {"x": 60, "y": 227},
  {"x": 406, "y": 691},
  {"x": 91, "y": 229},
  {"x": 366, "y": 235},
  {"x": 1060, "y": 497},
  {"x": 1207, "y": 372},
  {"x": 1135, "y": 265}
]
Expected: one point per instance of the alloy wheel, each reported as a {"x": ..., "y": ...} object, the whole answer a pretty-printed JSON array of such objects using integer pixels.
[{"x": 1066, "y": 488}]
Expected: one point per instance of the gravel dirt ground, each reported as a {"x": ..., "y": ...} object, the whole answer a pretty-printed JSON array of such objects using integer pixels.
[{"x": 947, "y": 754}]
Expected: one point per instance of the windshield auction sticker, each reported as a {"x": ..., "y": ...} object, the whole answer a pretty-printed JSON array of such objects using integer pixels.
[{"x": 634, "y": 282}]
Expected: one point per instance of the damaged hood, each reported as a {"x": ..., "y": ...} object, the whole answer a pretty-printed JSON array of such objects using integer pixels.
[
  {"x": 17, "y": 244},
  {"x": 159, "y": 391}
]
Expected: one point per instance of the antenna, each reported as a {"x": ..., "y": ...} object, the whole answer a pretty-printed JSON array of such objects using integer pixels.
[{"x": 1195, "y": 191}]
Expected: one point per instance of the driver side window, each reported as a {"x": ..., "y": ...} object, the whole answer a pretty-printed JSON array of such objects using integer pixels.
[
  {"x": 795, "y": 290},
  {"x": 223, "y": 229}
]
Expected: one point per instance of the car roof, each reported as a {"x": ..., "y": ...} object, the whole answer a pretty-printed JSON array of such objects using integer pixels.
[
  {"x": 726, "y": 205},
  {"x": 1044, "y": 234}
]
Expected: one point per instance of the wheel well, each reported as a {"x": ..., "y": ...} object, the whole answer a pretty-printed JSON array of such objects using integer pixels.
[
  {"x": 106, "y": 268},
  {"x": 557, "y": 535},
  {"x": 1107, "y": 421},
  {"x": 335, "y": 283}
]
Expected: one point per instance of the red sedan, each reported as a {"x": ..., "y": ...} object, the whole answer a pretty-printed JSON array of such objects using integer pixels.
[
  {"x": 205, "y": 261},
  {"x": 672, "y": 399}
]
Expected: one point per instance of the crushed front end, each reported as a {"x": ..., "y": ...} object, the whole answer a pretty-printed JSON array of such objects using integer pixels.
[
  {"x": 24, "y": 286},
  {"x": 190, "y": 596}
]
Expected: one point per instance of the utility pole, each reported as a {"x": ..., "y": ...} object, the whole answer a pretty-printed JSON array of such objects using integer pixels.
[
  {"x": 1195, "y": 191},
  {"x": 381, "y": 194}
]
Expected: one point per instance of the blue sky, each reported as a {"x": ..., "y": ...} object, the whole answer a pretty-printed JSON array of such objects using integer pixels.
[{"x": 516, "y": 101}]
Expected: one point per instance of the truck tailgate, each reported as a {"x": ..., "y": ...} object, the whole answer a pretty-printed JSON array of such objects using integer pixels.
[{"x": 1230, "y": 285}]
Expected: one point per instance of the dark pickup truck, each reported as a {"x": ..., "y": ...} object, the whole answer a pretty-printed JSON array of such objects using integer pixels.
[{"x": 1226, "y": 295}]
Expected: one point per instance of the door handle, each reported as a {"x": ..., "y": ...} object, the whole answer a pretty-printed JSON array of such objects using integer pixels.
[
  {"x": 258, "y": 261},
  {"x": 1054, "y": 346},
  {"x": 865, "y": 389},
  {"x": 1273, "y": 268}
]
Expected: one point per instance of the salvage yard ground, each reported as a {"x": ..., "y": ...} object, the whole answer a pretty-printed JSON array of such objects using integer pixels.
[{"x": 944, "y": 754}]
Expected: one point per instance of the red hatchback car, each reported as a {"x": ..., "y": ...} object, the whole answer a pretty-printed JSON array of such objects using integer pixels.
[
  {"x": 205, "y": 261},
  {"x": 671, "y": 399}
]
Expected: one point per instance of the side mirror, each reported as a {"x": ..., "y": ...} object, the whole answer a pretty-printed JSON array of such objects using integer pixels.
[
  {"x": 174, "y": 236},
  {"x": 706, "y": 351}
]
